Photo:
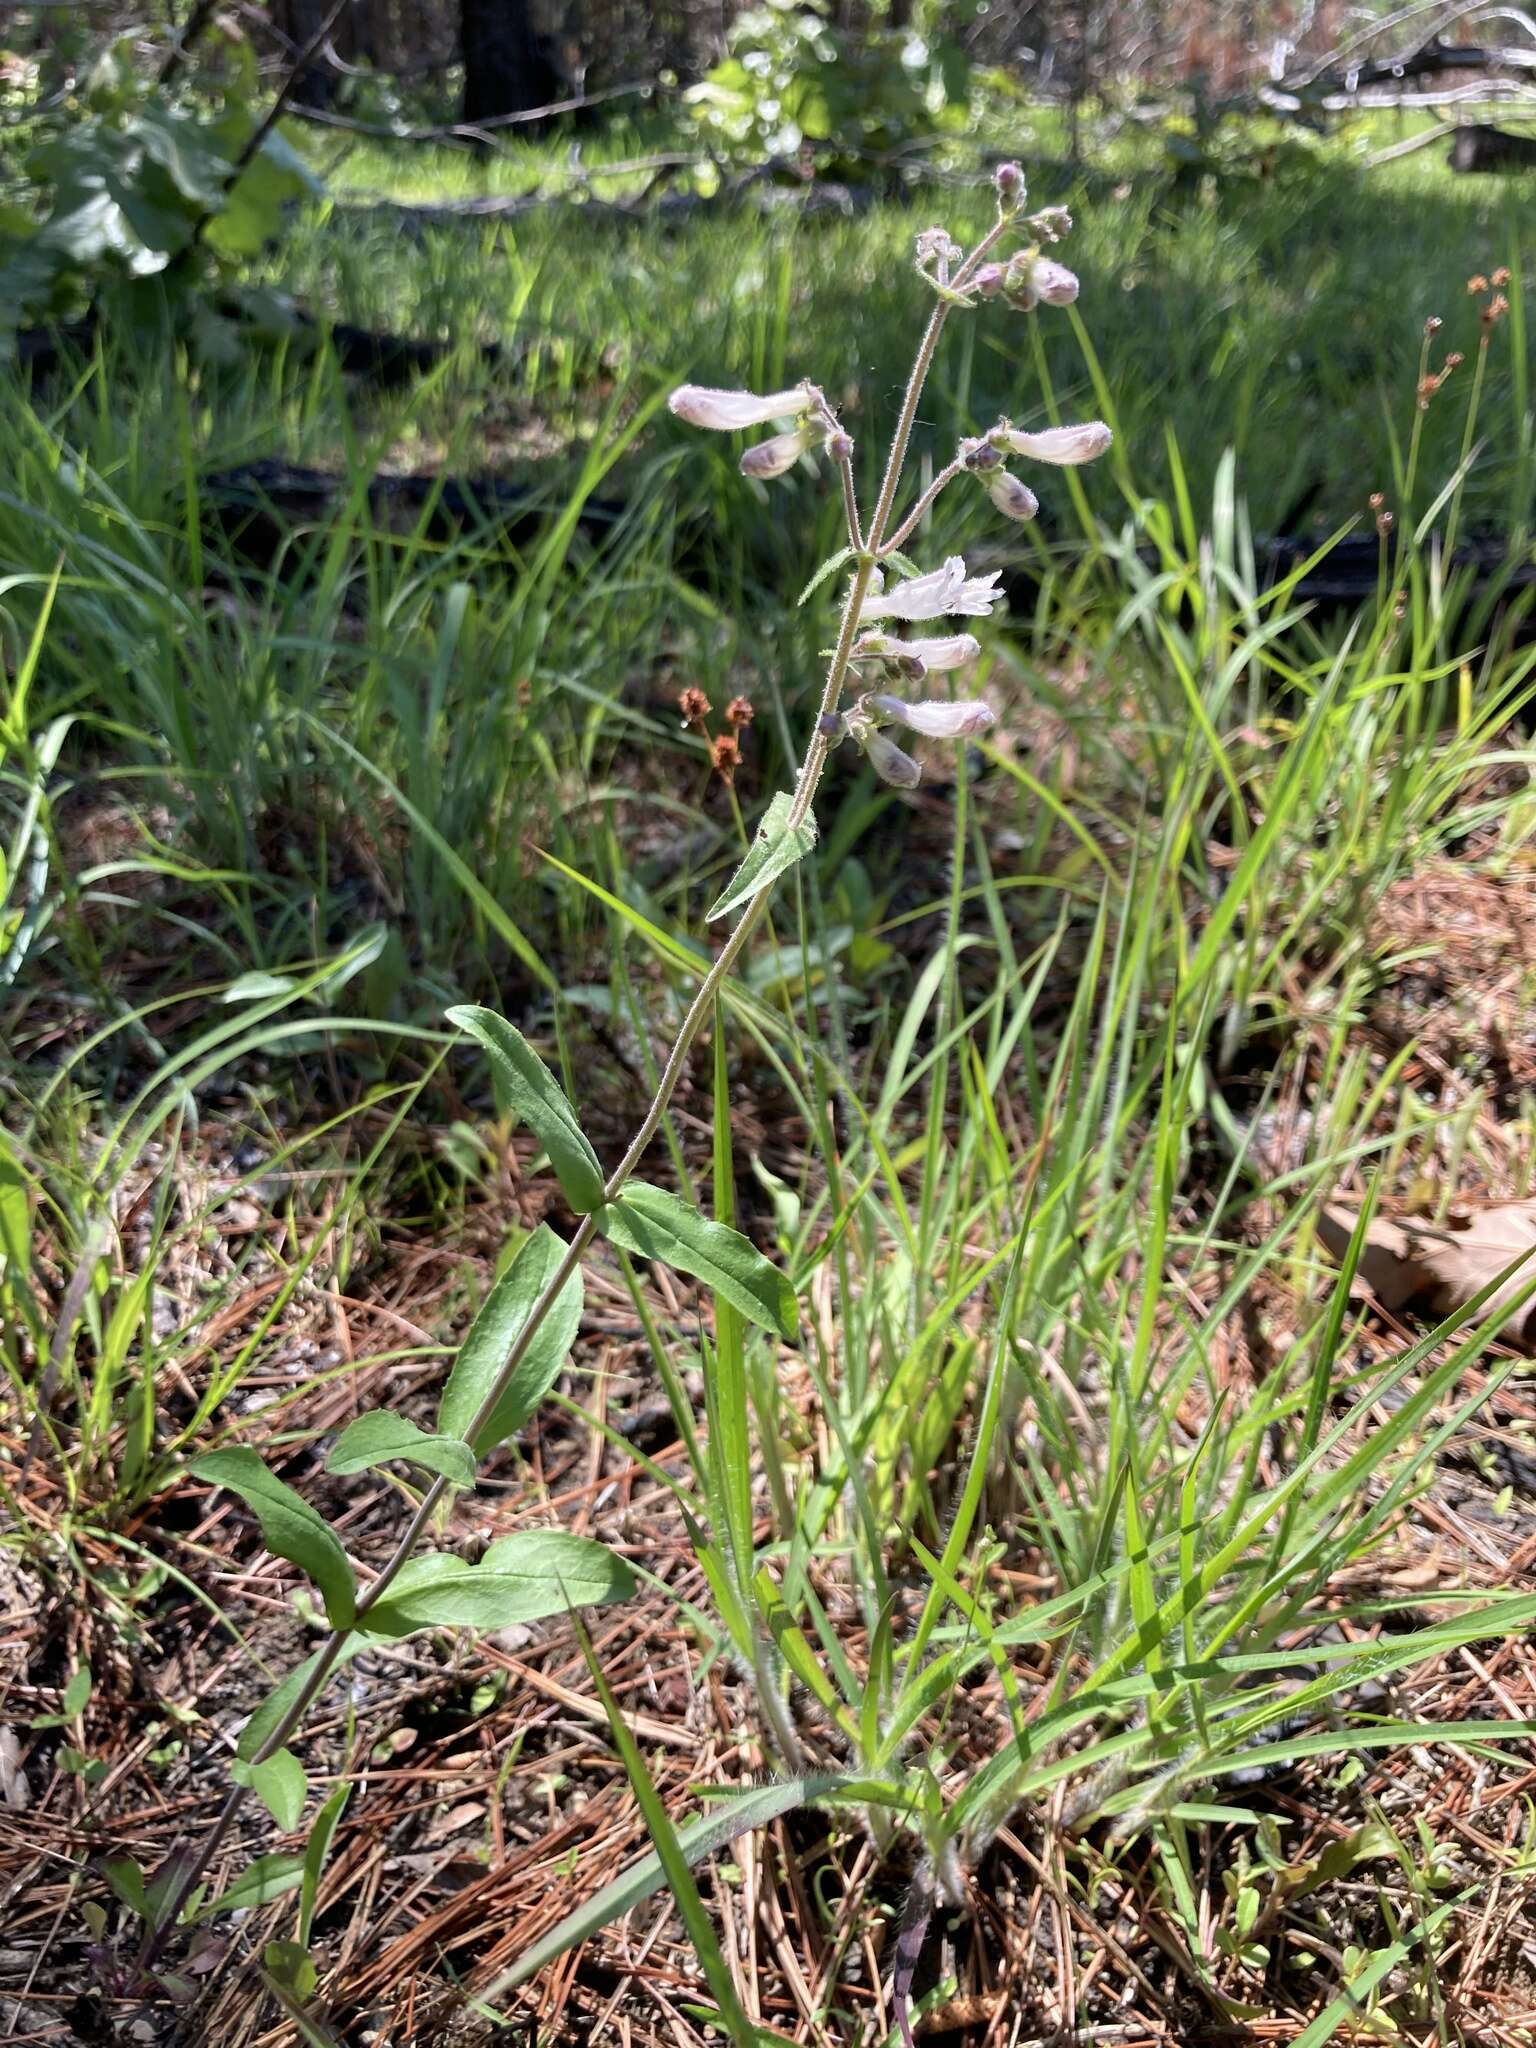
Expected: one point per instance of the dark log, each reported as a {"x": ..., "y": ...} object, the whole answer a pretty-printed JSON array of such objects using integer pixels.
[
  {"x": 261, "y": 507},
  {"x": 1481, "y": 148},
  {"x": 384, "y": 360}
]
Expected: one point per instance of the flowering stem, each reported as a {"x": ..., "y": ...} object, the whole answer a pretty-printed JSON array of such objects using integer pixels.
[
  {"x": 866, "y": 550},
  {"x": 909, "y": 525}
]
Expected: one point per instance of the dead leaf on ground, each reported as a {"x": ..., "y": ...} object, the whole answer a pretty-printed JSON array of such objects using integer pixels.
[{"x": 1408, "y": 1262}]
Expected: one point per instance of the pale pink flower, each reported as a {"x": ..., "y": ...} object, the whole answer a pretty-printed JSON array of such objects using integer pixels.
[
  {"x": 941, "y": 594},
  {"x": 949, "y": 653},
  {"x": 888, "y": 761},
  {"x": 1013, "y": 499},
  {"x": 1061, "y": 445},
  {"x": 727, "y": 411},
  {"x": 938, "y": 721},
  {"x": 773, "y": 457}
]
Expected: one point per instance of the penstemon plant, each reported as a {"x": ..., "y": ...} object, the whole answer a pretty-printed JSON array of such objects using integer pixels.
[{"x": 520, "y": 1339}]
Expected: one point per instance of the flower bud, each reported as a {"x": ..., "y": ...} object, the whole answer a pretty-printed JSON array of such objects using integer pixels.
[
  {"x": 938, "y": 721},
  {"x": 832, "y": 726},
  {"x": 1013, "y": 499},
  {"x": 727, "y": 411},
  {"x": 840, "y": 446},
  {"x": 776, "y": 455},
  {"x": 937, "y": 245},
  {"x": 1054, "y": 282},
  {"x": 978, "y": 456},
  {"x": 888, "y": 761},
  {"x": 1018, "y": 283},
  {"x": 988, "y": 281},
  {"x": 1009, "y": 182},
  {"x": 1051, "y": 224},
  {"x": 1064, "y": 446}
]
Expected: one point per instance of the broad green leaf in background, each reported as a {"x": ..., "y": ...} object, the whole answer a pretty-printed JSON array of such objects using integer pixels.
[
  {"x": 539, "y": 1102},
  {"x": 655, "y": 1224},
  {"x": 278, "y": 1783},
  {"x": 778, "y": 846},
  {"x": 520, "y": 1578},
  {"x": 379, "y": 1438},
  {"x": 486, "y": 1348},
  {"x": 289, "y": 1526}
]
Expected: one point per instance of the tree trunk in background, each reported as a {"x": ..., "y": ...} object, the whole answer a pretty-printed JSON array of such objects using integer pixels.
[
  {"x": 299, "y": 20},
  {"x": 506, "y": 70}
]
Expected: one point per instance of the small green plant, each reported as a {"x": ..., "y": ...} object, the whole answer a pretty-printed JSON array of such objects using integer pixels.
[
  {"x": 142, "y": 189},
  {"x": 519, "y": 1341},
  {"x": 793, "y": 84}
]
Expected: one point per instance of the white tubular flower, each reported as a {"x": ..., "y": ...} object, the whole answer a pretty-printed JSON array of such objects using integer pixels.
[
  {"x": 1013, "y": 499},
  {"x": 1064, "y": 446},
  {"x": 938, "y": 721},
  {"x": 773, "y": 457},
  {"x": 888, "y": 761},
  {"x": 941, "y": 594},
  {"x": 727, "y": 411},
  {"x": 950, "y": 653}
]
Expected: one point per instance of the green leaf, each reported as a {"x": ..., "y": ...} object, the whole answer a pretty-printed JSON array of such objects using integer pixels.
[
  {"x": 644, "y": 1878},
  {"x": 289, "y": 1526},
  {"x": 486, "y": 1349},
  {"x": 702, "y": 1937},
  {"x": 379, "y": 1438},
  {"x": 127, "y": 1881},
  {"x": 828, "y": 567},
  {"x": 654, "y": 1224},
  {"x": 180, "y": 145},
  {"x": 537, "y": 1098},
  {"x": 520, "y": 1578},
  {"x": 279, "y": 1784},
  {"x": 268, "y": 1878},
  {"x": 778, "y": 846},
  {"x": 321, "y": 1835},
  {"x": 72, "y": 1704},
  {"x": 292, "y": 1966}
]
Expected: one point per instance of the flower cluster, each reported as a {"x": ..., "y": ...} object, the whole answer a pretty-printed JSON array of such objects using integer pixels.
[{"x": 1028, "y": 279}]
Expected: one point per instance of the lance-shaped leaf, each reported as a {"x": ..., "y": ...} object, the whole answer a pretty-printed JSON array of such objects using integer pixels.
[
  {"x": 520, "y": 1578},
  {"x": 503, "y": 1316},
  {"x": 268, "y": 1878},
  {"x": 290, "y": 1527},
  {"x": 379, "y": 1438},
  {"x": 778, "y": 845},
  {"x": 539, "y": 1102},
  {"x": 655, "y": 1224}
]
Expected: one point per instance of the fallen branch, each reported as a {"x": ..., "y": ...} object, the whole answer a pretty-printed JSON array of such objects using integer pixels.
[{"x": 461, "y": 131}]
